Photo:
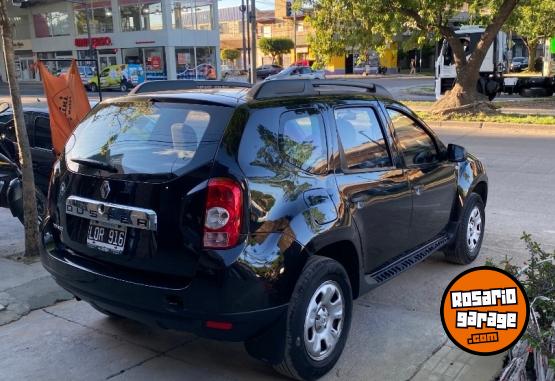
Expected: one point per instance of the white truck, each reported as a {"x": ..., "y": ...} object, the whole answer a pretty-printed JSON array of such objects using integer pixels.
[{"x": 492, "y": 78}]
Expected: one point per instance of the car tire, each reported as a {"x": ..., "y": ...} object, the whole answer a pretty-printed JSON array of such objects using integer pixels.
[
  {"x": 470, "y": 232},
  {"x": 41, "y": 208},
  {"x": 308, "y": 320},
  {"x": 123, "y": 87},
  {"x": 535, "y": 92},
  {"x": 93, "y": 87}
]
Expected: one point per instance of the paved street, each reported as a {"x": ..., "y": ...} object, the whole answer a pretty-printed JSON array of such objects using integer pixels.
[
  {"x": 396, "y": 327},
  {"x": 403, "y": 88}
]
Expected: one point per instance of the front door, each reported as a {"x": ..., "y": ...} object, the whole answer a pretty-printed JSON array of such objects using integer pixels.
[
  {"x": 433, "y": 179},
  {"x": 372, "y": 185}
]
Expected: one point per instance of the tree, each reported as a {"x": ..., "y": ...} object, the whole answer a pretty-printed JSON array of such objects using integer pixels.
[
  {"x": 364, "y": 24},
  {"x": 230, "y": 54},
  {"x": 275, "y": 46},
  {"x": 534, "y": 20},
  {"x": 29, "y": 201}
]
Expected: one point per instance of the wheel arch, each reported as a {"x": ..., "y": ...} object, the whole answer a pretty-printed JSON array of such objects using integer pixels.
[{"x": 347, "y": 253}]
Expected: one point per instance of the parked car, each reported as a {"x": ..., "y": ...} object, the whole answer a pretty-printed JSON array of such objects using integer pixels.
[
  {"x": 118, "y": 77},
  {"x": 519, "y": 63},
  {"x": 298, "y": 72},
  {"x": 202, "y": 71},
  {"x": 258, "y": 214},
  {"x": 38, "y": 130},
  {"x": 85, "y": 72},
  {"x": 266, "y": 70}
]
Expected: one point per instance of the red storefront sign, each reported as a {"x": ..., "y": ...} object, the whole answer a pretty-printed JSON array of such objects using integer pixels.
[{"x": 96, "y": 41}]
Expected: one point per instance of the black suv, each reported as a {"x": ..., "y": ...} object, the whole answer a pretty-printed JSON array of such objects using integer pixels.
[{"x": 258, "y": 214}]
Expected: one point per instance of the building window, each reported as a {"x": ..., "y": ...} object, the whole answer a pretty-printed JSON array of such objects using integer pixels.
[
  {"x": 139, "y": 15},
  {"x": 196, "y": 62},
  {"x": 152, "y": 59},
  {"x": 51, "y": 24},
  {"x": 193, "y": 14},
  {"x": 267, "y": 31},
  {"x": 100, "y": 20},
  {"x": 21, "y": 27},
  {"x": 300, "y": 26}
]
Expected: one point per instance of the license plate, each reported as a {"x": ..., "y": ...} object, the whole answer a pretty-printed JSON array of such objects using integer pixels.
[{"x": 106, "y": 237}]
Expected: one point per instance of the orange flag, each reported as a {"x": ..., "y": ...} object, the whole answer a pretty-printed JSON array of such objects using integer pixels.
[{"x": 67, "y": 103}]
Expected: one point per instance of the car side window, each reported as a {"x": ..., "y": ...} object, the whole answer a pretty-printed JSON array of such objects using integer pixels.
[
  {"x": 43, "y": 138},
  {"x": 416, "y": 144},
  {"x": 362, "y": 138},
  {"x": 302, "y": 140},
  {"x": 306, "y": 70}
]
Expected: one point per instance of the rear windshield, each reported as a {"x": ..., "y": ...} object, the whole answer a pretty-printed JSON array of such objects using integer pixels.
[{"x": 147, "y": 137}]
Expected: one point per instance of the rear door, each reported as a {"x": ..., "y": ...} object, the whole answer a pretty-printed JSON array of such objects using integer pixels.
[
  {"x": 432, "y": 178},
  {"x": 140, "y": 204},
  {"x": 372, "y": 184}
]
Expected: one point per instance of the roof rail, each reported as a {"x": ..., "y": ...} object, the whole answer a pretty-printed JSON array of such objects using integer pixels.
[
  {"x": 308, "y": 87},
  {"x": 184, "y": 84}
]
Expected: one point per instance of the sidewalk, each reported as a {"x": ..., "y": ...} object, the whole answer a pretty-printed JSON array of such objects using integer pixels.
[
  {"x": 23, "y": 286},
  {"x": 452, "y": 363}
]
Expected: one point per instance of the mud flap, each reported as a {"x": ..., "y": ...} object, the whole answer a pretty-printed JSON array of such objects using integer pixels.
[{"x": 269, "y": 346}]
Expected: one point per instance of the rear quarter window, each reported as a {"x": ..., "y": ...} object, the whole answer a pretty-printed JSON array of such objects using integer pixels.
[{"x": 302, "y": 140}]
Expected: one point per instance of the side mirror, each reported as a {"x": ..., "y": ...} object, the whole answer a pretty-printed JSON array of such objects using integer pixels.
[{"x": 456, "y": 153}]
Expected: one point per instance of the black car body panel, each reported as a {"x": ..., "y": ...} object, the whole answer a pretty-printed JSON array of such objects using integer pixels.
[{"x": 303, "y": 195}]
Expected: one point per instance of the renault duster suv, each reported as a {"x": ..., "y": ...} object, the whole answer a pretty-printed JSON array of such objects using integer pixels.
[{"x": 258, "y": 214}]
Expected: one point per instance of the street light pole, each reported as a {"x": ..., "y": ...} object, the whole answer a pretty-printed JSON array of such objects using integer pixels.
[
  {"x": 248, "y": 51},
  {"x": 294, "y": 37},
  {"x": 92, "y": 52},
  {"x": 253, "y": 40},
  {"x": 243, "y": 8}
]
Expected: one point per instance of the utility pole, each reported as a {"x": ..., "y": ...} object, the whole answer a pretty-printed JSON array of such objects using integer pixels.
[
  {"x": 253, "y": 40},
  {"x": 243, "y": 8},
  {"x": 294, "y": 36},
  {"x": 248, "y": 52}
]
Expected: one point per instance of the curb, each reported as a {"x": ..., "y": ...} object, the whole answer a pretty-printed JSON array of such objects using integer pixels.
[{"x": 489, "y": 125}]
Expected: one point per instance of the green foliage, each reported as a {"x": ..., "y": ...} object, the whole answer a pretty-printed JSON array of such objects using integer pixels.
[
  {"x": 495, "y": 118},
  {"x": 344, "y": 26},
  {"x": 275, "y": 46},
  {"x": 230, "y": 54},
  {"x": 538, "y": 279},
  {"x": 533, "y": 20}
]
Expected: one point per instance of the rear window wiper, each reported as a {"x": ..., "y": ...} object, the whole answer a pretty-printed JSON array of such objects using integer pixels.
[{"x": 95, "y": 164}]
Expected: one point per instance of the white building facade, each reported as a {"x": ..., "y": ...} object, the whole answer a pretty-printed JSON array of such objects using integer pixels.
[{"x": 167, "y": 37}]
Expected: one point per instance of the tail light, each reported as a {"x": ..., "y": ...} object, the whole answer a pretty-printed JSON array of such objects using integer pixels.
[{"x": 224, "y": 210}]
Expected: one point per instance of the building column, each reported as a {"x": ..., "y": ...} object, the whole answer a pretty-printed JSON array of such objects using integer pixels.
[{"x": 171, "y": 68}]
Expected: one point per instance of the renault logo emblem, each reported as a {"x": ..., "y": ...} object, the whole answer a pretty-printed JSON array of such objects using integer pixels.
[{"x": 105, "y": 189}]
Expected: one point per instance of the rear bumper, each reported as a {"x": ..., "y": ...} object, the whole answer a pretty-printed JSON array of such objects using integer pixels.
[{"x": 177, "y": 308}]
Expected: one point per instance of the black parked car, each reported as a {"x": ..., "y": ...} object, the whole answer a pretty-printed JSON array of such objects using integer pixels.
[
  {"x": 266, "y": 70},
  {"x": 38, "y": 130},
  {"x": 256, "y": 215}
]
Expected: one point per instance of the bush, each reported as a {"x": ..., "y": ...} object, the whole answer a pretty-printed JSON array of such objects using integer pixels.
[{"x": 538, "y": 279}]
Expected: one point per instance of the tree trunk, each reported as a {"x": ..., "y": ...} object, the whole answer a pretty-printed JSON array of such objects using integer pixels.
[
  {"x": 532, "y": 47},
  {"x": 29, "y": 201},
  {"x": 464, "y": 97}
]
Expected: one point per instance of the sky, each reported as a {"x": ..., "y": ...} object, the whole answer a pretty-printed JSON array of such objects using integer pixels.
[{"x": 260, "y": 4}]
